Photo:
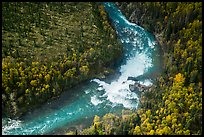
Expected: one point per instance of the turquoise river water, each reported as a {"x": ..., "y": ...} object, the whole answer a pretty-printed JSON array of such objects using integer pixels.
[{"x": 75, "y": 109}]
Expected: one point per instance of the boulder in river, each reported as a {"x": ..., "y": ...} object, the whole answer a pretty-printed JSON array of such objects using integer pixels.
[{"x": 138, "y": 87}]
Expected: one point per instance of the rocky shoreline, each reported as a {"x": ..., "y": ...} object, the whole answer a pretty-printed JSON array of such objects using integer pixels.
[{"x": 140, "y": 88}]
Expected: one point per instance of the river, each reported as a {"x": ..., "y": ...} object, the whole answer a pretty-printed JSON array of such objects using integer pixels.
[{"x": 75, "y": 109}]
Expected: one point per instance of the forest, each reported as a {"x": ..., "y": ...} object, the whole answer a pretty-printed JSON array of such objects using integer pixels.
[
  {"x": 174, "y": 107},
  {"x": 52, "y": 49}
]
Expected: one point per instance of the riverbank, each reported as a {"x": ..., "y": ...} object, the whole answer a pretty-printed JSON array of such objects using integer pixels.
[
  {"x": 53, "y": 49},
  {"x": 172, "y": 34},
  {"x": 175, "y": 105}
]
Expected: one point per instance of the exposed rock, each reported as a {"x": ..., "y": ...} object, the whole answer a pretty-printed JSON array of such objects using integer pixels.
[
  {"x": 132, "y": 78},
  {"x": 137, "y": 87},
  {"x": 133, "y": 88}
]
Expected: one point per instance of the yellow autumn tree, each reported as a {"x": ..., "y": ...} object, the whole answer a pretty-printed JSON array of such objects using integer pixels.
[
  {"x": 179, "y": 78},
  {"x": 84, "y": 70}
]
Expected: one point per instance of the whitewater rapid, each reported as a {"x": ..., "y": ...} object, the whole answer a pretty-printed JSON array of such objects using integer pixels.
[{"x": 96, "y": 97}]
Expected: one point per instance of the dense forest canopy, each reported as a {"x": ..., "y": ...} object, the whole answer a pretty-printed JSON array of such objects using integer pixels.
[
  {"x": 175, "y": 106},
  {"x": 50, "y": 46}
]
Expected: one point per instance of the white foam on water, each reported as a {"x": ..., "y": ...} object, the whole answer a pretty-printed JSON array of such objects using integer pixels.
[
  {"x": 146, "y": 82},
  {"x": 99, "y": 88},
  {"x": 70, "y": 113},
  {"x": 127, "y": 40},
  {"x": 151, "y": 43},
  {"x": 117, "y": 92},
  {"x": 11, "y": 124},
  {"x": 135, "y": 66},
  {"x": 87, "y": 91},
  {"x": 95, "y": 101}
]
